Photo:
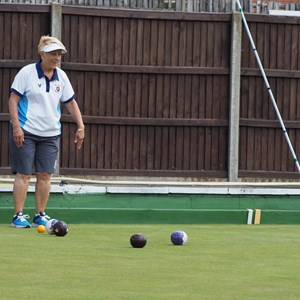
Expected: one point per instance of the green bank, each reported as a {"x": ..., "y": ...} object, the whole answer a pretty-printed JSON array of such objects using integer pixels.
[{"x": 120, "y": 208}]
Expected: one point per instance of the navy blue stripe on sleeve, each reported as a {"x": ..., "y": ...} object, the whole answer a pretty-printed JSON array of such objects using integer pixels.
[
  {"x": 15, "y": 92},
  {"x": 72, "y": 98}
]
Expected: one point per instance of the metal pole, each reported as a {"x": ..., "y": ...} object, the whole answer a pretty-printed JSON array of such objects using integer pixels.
[{"x": 268, "y": 86}]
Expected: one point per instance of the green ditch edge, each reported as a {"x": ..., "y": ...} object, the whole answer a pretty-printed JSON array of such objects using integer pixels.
[{"x": 160, "y": 209}]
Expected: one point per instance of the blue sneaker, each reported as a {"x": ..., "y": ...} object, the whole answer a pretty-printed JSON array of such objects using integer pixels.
[
  {"x": 40, "y": 219},
  {"x": 19, "y": 220}
]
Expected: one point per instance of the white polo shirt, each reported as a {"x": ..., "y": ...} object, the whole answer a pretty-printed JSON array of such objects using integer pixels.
[{"x": 39, "y": 105}]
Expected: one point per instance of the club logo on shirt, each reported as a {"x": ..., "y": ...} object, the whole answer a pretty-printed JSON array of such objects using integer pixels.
[
  {"x": 57, "y": 89},
  {"x": 39, "y": 84}
]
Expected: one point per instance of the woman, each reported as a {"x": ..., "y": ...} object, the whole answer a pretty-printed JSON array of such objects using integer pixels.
[{"x": 34, "y": 107}]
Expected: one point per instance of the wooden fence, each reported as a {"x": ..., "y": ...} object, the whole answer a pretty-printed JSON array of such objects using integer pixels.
[
  {"x": 262, "y": 144},
  {"x": 154, "y": 90},
  {"x": 148, "y": 91},
  {"x": 250, "y": 6}
]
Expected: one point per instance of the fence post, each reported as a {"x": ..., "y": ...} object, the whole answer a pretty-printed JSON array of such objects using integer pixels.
[
  {"x": 234, "y": 109},
  {"x": 56, "y": 19},
  {"x": 56, "y": 27}
]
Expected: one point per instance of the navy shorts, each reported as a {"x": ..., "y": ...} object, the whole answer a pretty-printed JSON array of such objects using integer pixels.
[{"x": 37, "y": 154}]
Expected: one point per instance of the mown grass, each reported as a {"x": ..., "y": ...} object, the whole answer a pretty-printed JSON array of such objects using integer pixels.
[{"x": 97, "y": 262}]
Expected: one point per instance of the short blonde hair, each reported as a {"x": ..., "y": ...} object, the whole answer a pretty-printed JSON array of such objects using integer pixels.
[{"x": 46, "y": 40}]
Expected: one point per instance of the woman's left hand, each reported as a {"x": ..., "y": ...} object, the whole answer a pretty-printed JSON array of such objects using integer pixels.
[{"x": 79, "y": 137}]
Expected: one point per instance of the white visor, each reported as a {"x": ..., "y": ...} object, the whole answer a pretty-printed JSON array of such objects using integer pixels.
[{"x": 53, "y": 47}]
